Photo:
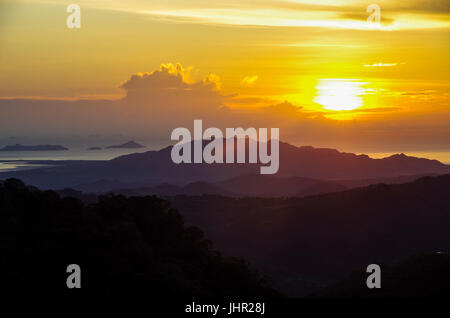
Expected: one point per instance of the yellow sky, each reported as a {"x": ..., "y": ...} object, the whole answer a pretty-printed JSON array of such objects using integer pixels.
[
  {"x": 321, "y": 56},
  {"x": 290, "y": 46}
]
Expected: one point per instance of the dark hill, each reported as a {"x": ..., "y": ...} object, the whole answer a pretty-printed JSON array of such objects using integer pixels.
[
  {"x": 270, "y": 186},
  {"x": 304, "y": 243},
  {"x": 192, "y": 189},
  {"x": 422, "y": 276},
  {"x": 241, "y": 186},
  {"x": 129, "y": 248},
  {"x": 130, "y": 144}
]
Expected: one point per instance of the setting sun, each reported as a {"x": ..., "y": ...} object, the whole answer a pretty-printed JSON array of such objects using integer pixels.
[{"x": 340, "y": 94}]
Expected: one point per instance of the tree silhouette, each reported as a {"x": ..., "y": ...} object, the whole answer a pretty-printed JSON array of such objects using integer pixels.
[{"x": 136, "y": 246}]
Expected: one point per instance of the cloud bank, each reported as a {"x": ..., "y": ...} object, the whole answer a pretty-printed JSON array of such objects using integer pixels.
[{"x": 156, "y": 102}]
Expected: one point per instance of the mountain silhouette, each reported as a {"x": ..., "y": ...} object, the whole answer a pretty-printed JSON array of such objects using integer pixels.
[
  {"x": 317, "y": 245},
  {"x": 307, "y": 243},
  {"x": 130, "y": 144},
  {"x": 156, "y": 167},
  {"x": 242, "y": 186},
  {"x": 269, "y": 186}
]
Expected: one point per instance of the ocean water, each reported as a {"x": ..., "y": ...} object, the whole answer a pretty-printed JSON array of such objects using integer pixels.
[
  {"x": 17, "y": 160},
  {"x": 17, "y": 165}
]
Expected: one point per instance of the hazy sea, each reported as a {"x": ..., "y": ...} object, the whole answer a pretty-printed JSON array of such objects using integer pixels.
[{"x": 17, "y": 160}]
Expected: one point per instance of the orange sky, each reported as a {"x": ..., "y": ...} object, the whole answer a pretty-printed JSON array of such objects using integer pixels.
[{"x": 338, "y": 79}]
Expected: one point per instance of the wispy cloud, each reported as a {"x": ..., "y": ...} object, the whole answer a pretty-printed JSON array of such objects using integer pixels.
[
  {"x": 381, "y": 65},
  {"x": 249, "y": 80},
  {"x": 266, "y": 17},
  {"x": 342, "y": 14}
]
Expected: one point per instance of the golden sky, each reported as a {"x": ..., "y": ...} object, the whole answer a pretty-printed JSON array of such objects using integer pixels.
[{"x": 321, "y": 58}]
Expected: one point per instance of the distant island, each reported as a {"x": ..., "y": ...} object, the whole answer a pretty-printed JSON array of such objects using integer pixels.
[
  {"x": 95, "y": 148},
  {"x": 130, "y": 144},
  {"x": 18, "y": 147}
]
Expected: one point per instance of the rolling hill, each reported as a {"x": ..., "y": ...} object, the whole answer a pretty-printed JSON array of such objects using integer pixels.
[{"x": 306, "y": 243}]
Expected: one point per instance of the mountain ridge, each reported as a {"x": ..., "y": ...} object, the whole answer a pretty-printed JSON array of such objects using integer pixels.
[
  {"x": 156, "y": 167},
  {"x": 129, "y": 144}
]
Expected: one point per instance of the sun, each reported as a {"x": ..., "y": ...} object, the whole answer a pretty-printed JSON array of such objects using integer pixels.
[{"x": 340, "y": 93}]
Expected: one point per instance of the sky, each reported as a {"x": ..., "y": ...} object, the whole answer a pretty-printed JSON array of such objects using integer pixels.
[{"x": 315, "y": 69}]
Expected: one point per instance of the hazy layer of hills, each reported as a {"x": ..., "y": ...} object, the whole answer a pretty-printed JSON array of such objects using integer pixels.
[
  {"x": 244, "y": 186},
  {"x": 305, "y": 243},
  {"x": 153, "y": 168}
]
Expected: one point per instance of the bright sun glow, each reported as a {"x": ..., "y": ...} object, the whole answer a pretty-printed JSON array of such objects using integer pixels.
[{"x": 339, "y": 93}]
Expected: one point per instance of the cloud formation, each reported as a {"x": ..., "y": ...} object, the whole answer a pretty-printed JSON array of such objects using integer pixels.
[
  {"x": 170, "y": 76},
  {"x": 156, "y": 102},
  {"x": 343, "y": 14}
]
